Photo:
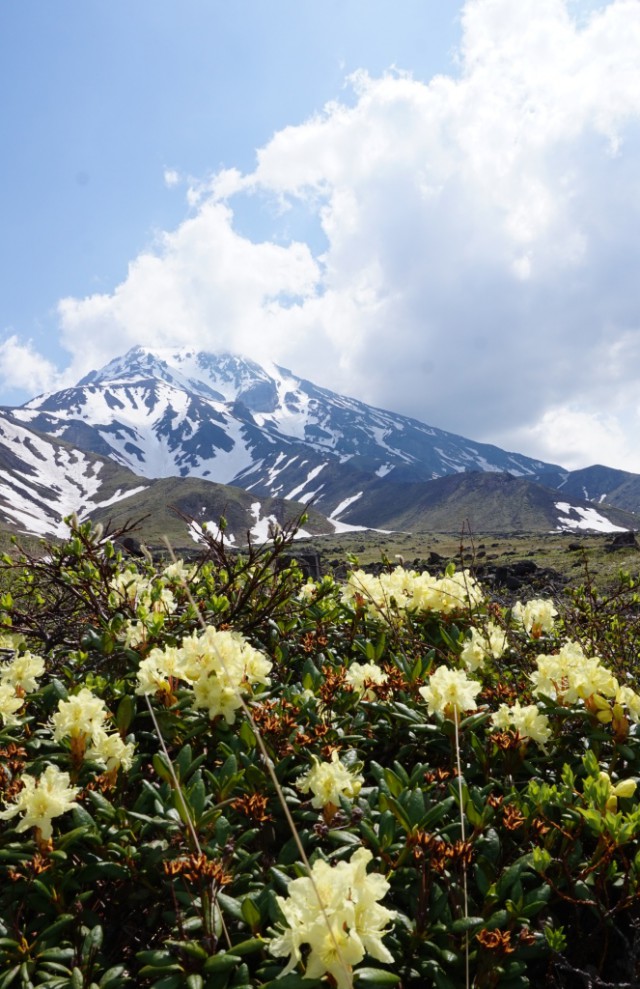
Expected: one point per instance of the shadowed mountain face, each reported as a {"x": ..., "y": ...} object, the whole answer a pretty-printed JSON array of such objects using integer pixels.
[{"x": 202, "y": 417}]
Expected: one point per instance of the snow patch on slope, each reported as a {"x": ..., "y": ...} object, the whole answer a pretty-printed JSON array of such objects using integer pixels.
[
  {"x": 342, "y": 507},
  {"x": 588, "y": 519}
]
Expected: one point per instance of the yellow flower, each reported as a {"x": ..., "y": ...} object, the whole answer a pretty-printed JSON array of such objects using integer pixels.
[
  {"x": 41, "y": 800},
  {"x": 222, "y": 665},
  {"x": 536, "y": 616},
  {"x": 625, "y": 788},
  {"x": 111, "y": 751},
  {"x": 489, "y": 641},
  {"x": 570, "y": 676},
  {"x": 23, "y": 672},
  {"x": 631, "y": 700},
  {"x": 447, "y": 594},
  {"x": 81, "y": 716},
  {"x": 450, "y": 692},
  {"x": 528, "y": 721},
  {"x": 161, "y": 665},
  {"x": 328, "y": 781},
  {"x": 359, "y": 673},
  {"x": 9, "y": 703},
  {"x": 337, "y": 913},
  {"x": 391, "y": 594}
]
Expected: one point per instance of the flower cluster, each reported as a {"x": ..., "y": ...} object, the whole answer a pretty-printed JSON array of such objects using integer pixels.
[
  {"x": 405, "y": 590},
  {"x": 218, "y": 665},
  {"x": 570, "y": 677},
  {"x": 527, "y": 720},
  {"x": 383, "y": 719},
  {"x": 361, "y": 676},
  {"x": 536, "y": 616},
  {"x": 18, "y": 678},
  {"x": 450, "y": 692},
  {"x": 624, "y": 788},
  {"x": 81, "y": 719},
  {"x": 336, "y": 912},
  {"x": 142, "y": 594},
  {"x": 42, "y": 799},
  {"x": 328, "y": 781},
  {"x": 487, "y": 642}
]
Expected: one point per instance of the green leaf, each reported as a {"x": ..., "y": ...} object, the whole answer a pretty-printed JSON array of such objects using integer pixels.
[
  {"x": 375, "y": 977},
  {"x": 249, "y": 947},
  {"x": 395, "y": 784},
  {"x": 9, "y": 977},
  {"x": 197, "y": 798},
  {"x": 169, "y": 982},
  {"x": 162, "y": 768},
  {"x": 251, "y": 913},
  {"x": 224, "y": 961},
  {"x": 512, "y": 875},
  {"x": 191, "y": 948},
  {"x": 82, "y": 817},
  {"x": 388, "y": 803},
  {"x": 77, "y": 979},
  {"x": 230, "y": 905},
  {"x": 113, "y": 977},
  {"x": 125, "y": 713},
  {"x": 386, "y": 829},
  {"x": 92, "y": 942},
  {"x": 53, "y": 930},
  {"x": 56, "y": 954},
  {"x": 467, "y": 924},
  {"x": 156, "y": 959}
]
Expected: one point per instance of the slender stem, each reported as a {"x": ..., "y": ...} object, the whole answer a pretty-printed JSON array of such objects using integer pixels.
[
  {"x": 174, "y": 778},
  {"x": 464, "y": 861},
  {"x": 281, "y": 797}
]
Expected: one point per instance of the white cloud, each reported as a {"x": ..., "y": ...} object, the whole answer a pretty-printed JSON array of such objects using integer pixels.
[
  {"x": 171, "y": 178},
  {"x": 575, "y": 438},
  {"x": 201, "y": 284},
  {"x": 479, "y": 259},
  {"x": 22, "y": 367}
]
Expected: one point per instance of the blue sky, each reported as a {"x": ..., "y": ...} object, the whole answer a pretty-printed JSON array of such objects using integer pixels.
[{"x": 428, "y": 204}]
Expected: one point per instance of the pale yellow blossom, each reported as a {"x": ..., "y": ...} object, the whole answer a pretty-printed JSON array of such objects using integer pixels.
[
  {"x": 219, "y": 666},
  {"x": 337, "y": 913},
  {"x": 626, "y": 697},
  {"x": 488, "y": 641},
  {"x": 328, "y": 781},
  {"x": 359, "y": 674},
  {"x": 111, "y": 751},
  {"x": 450, "y": 692},
  {"x": 158, "y": 668},
  {"x": 42, "y": 799},
  {"x": 527, "y": 720},
  {"x": 569, "y": 676},
  {"x": 179, "y": 571},
  {"x": 536, "y": 616},
  {"x": 23, "y": 671},
  {"x": 81, "y": 716},
  {"x": 10, "y": 703}
]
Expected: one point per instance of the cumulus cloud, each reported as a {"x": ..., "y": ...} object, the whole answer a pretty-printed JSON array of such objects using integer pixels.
[
  {"x": 468, "y": 248},
  {"x": 22, "y": 368},
  {"x": 575, "y": 438}
]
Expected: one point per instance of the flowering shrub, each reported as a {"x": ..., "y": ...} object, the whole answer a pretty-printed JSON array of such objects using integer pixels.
[{"x": 217, "y": 775}]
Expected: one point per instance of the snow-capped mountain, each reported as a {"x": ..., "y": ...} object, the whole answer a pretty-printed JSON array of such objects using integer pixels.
[
  {"x": 184, "y": 412},
  {"x": 43, "y": 480}
]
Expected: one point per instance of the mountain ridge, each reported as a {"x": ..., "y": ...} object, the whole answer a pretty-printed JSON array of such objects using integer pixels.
[
  {"x": 183, "y": 413},
  {"x": 228, "y": 419}
]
